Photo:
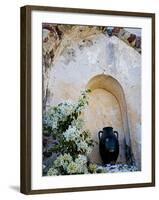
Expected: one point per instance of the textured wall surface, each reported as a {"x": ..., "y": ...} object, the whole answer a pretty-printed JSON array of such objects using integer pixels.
[
  {"x": 104, "y": 110},
  {"x": 84, "y": 53}
]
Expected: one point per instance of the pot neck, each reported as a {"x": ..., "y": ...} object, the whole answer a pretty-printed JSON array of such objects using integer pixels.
[{"x": 108, "y": 130}]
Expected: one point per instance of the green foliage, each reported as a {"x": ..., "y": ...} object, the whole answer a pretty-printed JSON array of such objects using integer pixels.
[{"x": 74, "y": 144}]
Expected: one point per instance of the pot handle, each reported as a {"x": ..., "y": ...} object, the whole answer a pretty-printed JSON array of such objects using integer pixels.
[
  {"x": 99, "y": 134},
  {"x": 116, "y": 134}
]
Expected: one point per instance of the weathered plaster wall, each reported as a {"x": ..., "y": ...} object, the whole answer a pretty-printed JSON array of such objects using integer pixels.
[
  {"x": 80, "y": 56},
  {"x": 104, "y": 110},
  {"x": 111, "y": 85}
]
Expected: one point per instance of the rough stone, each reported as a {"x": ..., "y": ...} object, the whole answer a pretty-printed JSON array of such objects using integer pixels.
[{"x": 94, "y": 53}]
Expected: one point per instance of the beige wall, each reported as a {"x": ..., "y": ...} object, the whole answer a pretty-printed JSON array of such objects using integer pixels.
[
  {"x": 80, "y": 59},
  {"x": 104, "y": 110}
]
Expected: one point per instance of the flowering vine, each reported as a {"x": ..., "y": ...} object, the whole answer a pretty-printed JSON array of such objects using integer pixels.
[{"x": 73, "y": 143}]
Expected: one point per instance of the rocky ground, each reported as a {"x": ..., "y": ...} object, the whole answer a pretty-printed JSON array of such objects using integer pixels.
[{"x": 120, "y": 168}]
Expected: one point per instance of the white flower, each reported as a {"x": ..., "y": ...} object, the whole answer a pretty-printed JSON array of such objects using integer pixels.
[
  {"x": 92, "y": 168},
  {"x": 85, "y": 171},
  {"x": 72, "y": 168},
  {"x": 82, "y": 145},
  {"x": 59, "y": 161},
  {"x": 63, "y": 160},
  {"x": 81, "y": 160},
  {"x": 71, "y": 133},
  {"x": 52, "y": 172},
  {"x": 54, "y": 124},
  {"x": 63, "y": 122},
  {"x": 79, "y": 123},
  {"x": 66, "y": 108},
  {"x": 67, "y": 157}
]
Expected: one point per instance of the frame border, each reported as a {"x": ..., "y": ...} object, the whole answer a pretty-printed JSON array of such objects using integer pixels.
[{"x": 25, "y": 95}]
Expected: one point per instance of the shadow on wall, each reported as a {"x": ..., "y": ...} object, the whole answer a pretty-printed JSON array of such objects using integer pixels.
[{"x": 111, "y": 85}]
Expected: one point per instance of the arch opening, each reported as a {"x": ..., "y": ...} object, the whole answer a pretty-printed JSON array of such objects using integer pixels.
[{"x": 107, "y": 98}]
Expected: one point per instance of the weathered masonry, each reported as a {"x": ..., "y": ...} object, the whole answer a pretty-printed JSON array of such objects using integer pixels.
[{"x": 106, "y": 60}]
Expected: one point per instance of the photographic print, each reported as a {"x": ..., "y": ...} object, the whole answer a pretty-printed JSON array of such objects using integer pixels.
[
  {"x": 91, "y": 99},
  {"x": 87, "y": 99}
]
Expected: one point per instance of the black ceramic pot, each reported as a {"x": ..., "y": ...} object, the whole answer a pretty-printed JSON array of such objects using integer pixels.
[{"x": 108, "y": 145}]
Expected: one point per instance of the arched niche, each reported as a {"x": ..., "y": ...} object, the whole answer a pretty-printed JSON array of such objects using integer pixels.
[{"x": 113, "y": 87}]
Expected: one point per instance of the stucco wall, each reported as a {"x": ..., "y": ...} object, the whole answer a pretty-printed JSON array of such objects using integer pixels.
[
  {"x": 104, "y": 110},
  {"x": 78, "y": 59}
]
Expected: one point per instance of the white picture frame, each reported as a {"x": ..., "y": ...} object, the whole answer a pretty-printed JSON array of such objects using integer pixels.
[{"x": 32, "y": 181}]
